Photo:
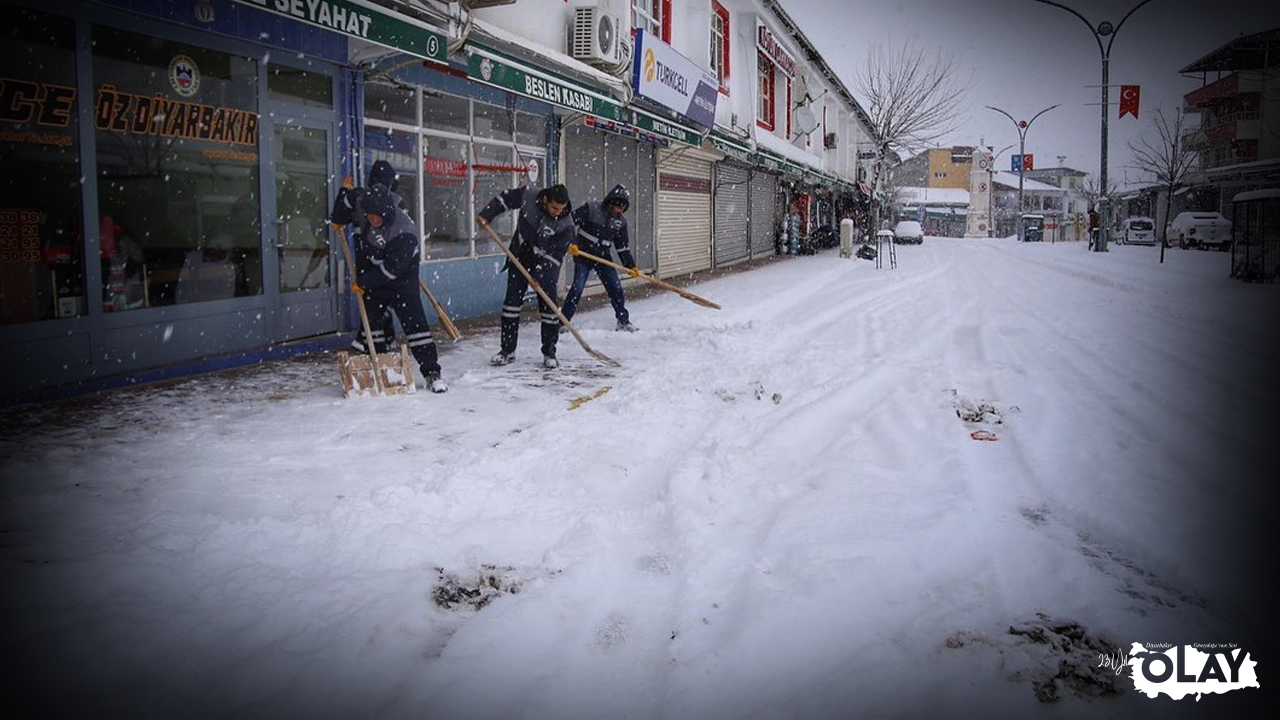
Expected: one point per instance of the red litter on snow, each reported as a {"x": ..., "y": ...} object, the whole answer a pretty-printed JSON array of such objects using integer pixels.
[{"x": 983, "y": 435}]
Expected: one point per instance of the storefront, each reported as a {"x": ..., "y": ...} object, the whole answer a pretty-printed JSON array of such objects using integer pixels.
[
  {"x": 186, "y": 224},
  {"x": 597, "y": 157}
]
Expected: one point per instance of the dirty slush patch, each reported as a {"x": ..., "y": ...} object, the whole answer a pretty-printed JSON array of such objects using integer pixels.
[{"x": 1054, "y": 658}]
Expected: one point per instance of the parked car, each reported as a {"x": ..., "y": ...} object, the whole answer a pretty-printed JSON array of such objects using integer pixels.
[
  {"x": 1138, "y": 231},
  {"x": 908, "y": 232},
  {"x": 1202, "y": 230}
]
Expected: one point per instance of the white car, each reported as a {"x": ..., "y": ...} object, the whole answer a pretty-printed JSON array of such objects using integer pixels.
[
  {"x": 908, "y": 232},
  {"x": 1138, "y": 231},
  {"x": 1202, "y": 230}
]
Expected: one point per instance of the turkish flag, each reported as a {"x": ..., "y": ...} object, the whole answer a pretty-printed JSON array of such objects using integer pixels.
[
  {"x": 1129, "y": 95},
  {"x": 1028, "y": 162}
]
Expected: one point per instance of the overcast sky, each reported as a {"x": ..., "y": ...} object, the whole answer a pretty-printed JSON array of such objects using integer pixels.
[{"x": 1023, "y": 56}]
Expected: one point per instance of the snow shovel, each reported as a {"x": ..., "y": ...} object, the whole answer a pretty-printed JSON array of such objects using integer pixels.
[
  {"x": 577, "y": 252},
  {"x": 373, "y": 373},
  {"x": 445, "y": 322},
  {"x": 547, "y": 299}
]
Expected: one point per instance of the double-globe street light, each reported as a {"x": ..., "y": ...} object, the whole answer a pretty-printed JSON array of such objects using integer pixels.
[
  {"x": 1107, "y": 30},
  {"x": 1023, "y": 126}
]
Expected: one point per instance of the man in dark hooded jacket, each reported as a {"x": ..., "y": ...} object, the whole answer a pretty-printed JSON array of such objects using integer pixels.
[
  {"x": 347, "y": 209},
  {"x": 602, "y": 227},
  {"x": 387, "y": 258},
  {"x": 544, "y": 230}
]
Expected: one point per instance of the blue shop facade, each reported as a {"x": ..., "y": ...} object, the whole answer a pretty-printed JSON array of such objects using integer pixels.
[{"x": 168, "y": 168}]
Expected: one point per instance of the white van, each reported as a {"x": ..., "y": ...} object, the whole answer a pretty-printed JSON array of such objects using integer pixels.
[
  {"x": 1202, "y": 230},
  {"x": 1138, "y": 231}
]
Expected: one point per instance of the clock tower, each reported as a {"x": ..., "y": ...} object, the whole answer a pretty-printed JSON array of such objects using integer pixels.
[{"x": 979, "y": 219}]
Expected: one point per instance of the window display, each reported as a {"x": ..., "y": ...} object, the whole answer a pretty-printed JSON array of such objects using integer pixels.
[
  {"x": 177, "y": 153},
  {"x": 470, "y": 151},
  {"x": 42, "y": 271}
]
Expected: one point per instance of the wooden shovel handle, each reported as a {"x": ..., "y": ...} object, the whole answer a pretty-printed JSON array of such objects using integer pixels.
[{"x": 515, "y": 263}]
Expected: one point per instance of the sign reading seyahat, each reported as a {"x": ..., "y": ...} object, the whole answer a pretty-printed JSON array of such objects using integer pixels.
[
  {"x": 492, "y": 70},
  {"x": 673, "y": 80},
  {"x": 366, "y": 21}
]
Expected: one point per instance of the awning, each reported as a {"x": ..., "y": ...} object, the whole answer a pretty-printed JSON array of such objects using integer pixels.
[
  {"x": 734, "y": 149},
  {"x": 490, "y": 67},
  {"x": 364, "y": 21}
]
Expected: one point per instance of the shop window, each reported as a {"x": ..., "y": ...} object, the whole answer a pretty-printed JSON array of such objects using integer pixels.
[
  {"x": 719, "y": 54},
  {"x": 531, "y": 129},
  {"x": 766, "y": 87},
  {"x": 400, "y": 148},
  {"x": 492, "y": 122},
  {"x": 446, "y": 113},
  {"x": 467, "y": 157},
  {"x": 300, "y": 86},
  {"x": 390, "y": 103},
  {"x": 494, "y": 173},
  {"x": 41, "y": 244},
  {"x": 177, "y": 153},
  {"x": 446, "y": 212}
]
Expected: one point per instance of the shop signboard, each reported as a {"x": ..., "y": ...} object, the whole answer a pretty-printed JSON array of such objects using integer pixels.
[
  {"x": 366, "y": 21},
  {"x": 492, "y": 69},
  {"x": 672, "y": 80}
]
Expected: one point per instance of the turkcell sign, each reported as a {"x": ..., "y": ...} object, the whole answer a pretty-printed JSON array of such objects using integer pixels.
[
  {"x": 364, "y": 20},
  {"x": 672, "y": 80}
]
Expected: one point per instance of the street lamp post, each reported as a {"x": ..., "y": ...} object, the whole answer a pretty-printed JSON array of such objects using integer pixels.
[
  {"x": 1023, "y": 126},
  {"x": 1107, "y": 30},
  {"x": 991, "y": 191}
]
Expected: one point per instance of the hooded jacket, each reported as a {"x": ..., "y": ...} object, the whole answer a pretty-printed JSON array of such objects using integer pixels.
[
  {"x": 539, "y": 238},
  {"x": 389, "y": 254},
  {"x": 599, "y": 229}
]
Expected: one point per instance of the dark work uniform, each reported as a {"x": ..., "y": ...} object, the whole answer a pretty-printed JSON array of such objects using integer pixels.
[
  {"x": 599, "y": 231},
  {"x": 540, "y": 242},
  {"x": 387, "y": 261}
]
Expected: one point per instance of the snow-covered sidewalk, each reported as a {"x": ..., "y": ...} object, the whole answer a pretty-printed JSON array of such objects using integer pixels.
[{"x": 777, "y": 509}]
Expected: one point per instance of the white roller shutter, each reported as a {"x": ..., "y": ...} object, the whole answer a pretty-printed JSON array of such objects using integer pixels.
[
  {"x": 684, "y": 211},
  {"x": 732, "y": 199},
  {"x": 764, "y": 218}
]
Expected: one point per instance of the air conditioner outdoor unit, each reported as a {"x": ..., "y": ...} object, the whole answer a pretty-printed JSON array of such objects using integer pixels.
[
  {"x": 829, "y": 142},
  {"x": 599, "y": 31}
]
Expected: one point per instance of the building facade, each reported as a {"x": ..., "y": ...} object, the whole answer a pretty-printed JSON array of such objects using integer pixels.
[{"x": 187, "y": 153}]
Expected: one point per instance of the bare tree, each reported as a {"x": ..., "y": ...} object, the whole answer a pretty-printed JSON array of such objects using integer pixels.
[
  {"x": 912, "y": 98},
  {"x": 1169, "y": 160},
  {"x": 1092, "y": 193}
]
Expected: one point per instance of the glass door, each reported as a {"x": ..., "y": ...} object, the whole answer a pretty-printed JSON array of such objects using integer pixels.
[{"x": 302, "y": 162}]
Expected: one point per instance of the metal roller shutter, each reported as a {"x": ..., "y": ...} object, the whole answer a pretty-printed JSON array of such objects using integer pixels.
[
  {"x": 764, "y": 217},
  {"x": 684, "y": 212},
  {"x": 732, "y": 198}
]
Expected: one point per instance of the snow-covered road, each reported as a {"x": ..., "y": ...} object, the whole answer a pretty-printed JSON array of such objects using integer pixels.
[{"x": 773, "y": 510}]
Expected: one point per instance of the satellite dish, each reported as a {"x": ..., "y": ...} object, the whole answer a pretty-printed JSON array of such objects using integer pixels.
[{"x": 805, "y": 120}]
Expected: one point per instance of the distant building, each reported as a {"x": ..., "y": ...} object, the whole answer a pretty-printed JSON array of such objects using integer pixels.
[
  {"x": 1238, "y": 103},
  {"x": 937, "y": 168}
]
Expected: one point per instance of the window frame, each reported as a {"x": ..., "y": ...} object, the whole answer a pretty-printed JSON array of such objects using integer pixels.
[
  {"x": 719, "y": 51},
  {"x": 655, "y": 19},
  {"x": 766, "y": 89}
]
